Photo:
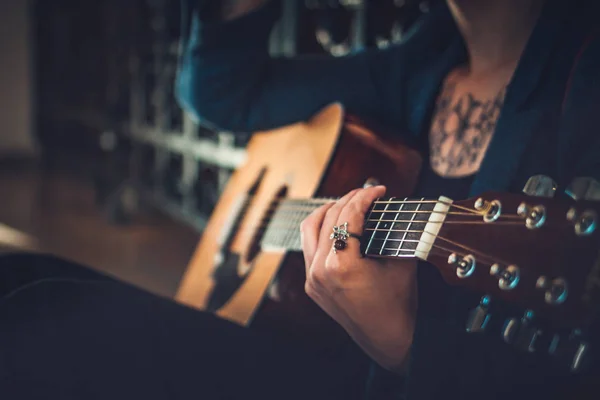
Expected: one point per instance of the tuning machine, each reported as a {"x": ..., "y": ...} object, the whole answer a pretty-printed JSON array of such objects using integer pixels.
[
  {"x": 479, "y": 317},
  {"x": 508, "y": 277},
  {"x": 465, "y": 266},
  {"x": 540, "y": 186},
  {"x": 584, "y": 188},
  {"x": 370, "y": 182},
  {"x": 584, "y": 221},
  {"x": 555, "y": 290},
  {"x": 534, "y": 216},
  {"x": 572, "y": 349},
  {"x": 521, "y": 332}
]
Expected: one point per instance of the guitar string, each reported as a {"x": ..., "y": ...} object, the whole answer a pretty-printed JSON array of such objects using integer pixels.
[
  {"x": 270, "y": 219},
  {"x": 284, "y": 208},
  {"x": 449, "y": 241},
  {"x": 308, "y": 210},
  {"x": 292, "y": 224},
  {"x": 378, "y": 201},
  {"x": 271, "y": 222},
  {"x": 439, "y": 251},
  {"x": 479, "y": 254},
  {"x": 452, "y": 222},
  {"x": 471, "y": 211},
  {"x": 298, "y": 205}
]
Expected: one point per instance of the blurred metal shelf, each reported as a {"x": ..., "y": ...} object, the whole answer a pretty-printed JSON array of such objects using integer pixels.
[{"x": 219, "y": 153}]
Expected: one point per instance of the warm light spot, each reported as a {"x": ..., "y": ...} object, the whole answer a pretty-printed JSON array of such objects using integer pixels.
[{"x": 10, "y": 237}]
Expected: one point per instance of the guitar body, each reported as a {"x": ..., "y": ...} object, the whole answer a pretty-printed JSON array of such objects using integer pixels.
[
  {"x": 326, "y": 156},
  {"x": 533, "y": 252}
]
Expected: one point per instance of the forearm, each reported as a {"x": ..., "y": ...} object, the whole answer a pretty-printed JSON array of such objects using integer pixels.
[{"x": 228, "y": 78}]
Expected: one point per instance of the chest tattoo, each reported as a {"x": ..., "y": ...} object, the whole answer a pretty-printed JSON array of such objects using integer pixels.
[{"x": 461, "y": 131}]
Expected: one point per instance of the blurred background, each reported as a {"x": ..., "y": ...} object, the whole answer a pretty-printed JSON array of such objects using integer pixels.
[{"x": 98, "y": 163}]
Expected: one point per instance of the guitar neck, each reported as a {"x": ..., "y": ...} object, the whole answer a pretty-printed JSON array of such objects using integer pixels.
[{"x": 393, "y": 227}]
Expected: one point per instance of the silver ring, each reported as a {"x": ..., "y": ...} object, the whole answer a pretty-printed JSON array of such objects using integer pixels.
[{"x": 340, "y": 237}]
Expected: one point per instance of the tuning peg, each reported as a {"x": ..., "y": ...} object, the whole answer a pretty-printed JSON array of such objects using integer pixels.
[
  {"x": 540, "y": 186},
  {"x": 555, "y": 290},
  {"x": 508, "y": 277},
  {"x": 370, "y": 182},
  {"x": 572, "y": 349},
  {"x": 464, "y": 265},
  {"x": 584, "y": 188},
  {"x": 479, "y": 317},
  {"x": 521, "y": 332}
]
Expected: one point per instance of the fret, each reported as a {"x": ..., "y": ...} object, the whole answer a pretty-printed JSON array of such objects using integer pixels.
[
  {"x": 397, "y": 231},
  {"x": 283, "y": 227},
  {"x": 394, "y": 216},
  {"x": 376, "y": 234},
  {"x": 405, "y": 233},
  {"x": 384, "y": 246},
  {"x": 402, "y": 247},
  {"x": 415, "y": 228}
]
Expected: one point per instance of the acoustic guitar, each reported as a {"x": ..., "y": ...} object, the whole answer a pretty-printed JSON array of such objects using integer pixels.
[{"x": 538, "y": 253}]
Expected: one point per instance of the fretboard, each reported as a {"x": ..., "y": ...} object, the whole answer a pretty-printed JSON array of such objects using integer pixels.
[
  {"x": 283, "y": 226},
  {"x": 403, "y": 227},
  {"x": 393, "y": 227}
]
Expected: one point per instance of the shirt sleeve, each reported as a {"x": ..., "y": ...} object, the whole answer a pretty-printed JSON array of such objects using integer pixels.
[{"x": 227, "y": 77}]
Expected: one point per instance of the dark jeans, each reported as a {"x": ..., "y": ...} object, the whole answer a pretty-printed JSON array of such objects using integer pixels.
[{"x": 67, "y": 332}]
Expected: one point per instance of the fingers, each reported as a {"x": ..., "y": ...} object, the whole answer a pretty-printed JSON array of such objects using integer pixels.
[
  {"x": 354, "y": 212},
  {"x": 331, "y": 219},
  {"x": 309, "y": 232},
  {"x": 317, "y": 227}
]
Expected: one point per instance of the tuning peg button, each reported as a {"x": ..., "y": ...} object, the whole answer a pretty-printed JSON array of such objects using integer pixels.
[
  {"x": 584, "y": 188},
  {"x": 555, "y": 291},
  {"x": 370, "y": 182},
  {"x": 479, "y": 317},
  {"x": 508, "y": 278},
  {"x": 464, "y": 266},
  {"x": 572, "y": 349},
  {"x": 521, "y": 332},
  {"x": 540, "y": 186}
]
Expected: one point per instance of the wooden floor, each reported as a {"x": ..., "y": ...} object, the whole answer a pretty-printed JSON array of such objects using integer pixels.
[{"x": 55, "y": 213}]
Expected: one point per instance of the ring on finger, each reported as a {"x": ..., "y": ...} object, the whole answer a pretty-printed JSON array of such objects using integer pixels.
[{"x": 340, "y": 237}]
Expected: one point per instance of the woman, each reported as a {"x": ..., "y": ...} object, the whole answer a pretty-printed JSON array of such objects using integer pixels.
[{"x": 497, "y": 90}]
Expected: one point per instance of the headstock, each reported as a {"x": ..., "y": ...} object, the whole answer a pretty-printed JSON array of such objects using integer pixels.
[{"x": 539, "y": 253}]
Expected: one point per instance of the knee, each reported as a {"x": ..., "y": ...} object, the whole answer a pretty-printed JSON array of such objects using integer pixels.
[{"x": 19, "y": 269}]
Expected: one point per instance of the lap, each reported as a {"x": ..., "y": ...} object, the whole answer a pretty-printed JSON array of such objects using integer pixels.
[{"x": 79, "y": 334}]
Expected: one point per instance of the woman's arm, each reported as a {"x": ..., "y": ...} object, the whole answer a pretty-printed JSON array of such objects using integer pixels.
[{"x": 228, "y": 78}]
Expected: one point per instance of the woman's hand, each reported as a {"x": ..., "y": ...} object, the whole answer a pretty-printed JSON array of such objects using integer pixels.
[{"x": 373, "y": 299}]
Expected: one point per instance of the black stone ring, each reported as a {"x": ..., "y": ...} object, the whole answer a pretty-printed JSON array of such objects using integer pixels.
[{"x": 340, "y": 236}]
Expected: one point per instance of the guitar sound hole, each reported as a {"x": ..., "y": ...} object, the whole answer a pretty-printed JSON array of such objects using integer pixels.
[{"x": 225, "y": 275}]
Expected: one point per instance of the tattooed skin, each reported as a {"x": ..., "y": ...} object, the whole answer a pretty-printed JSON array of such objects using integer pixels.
[{"x": 461, "y": 131}]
